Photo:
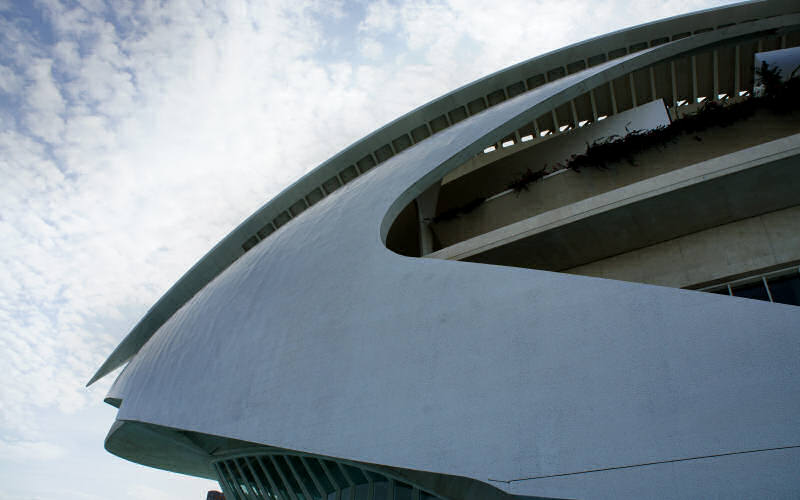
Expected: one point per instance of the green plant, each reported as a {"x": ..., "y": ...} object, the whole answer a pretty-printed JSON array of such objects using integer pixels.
[
  {"x": 460, "y": 210},
  {"x": 522, "y": 182}
]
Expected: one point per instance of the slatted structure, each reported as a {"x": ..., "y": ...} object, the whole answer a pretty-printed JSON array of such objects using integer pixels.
[{"x": 283, "y": 476}]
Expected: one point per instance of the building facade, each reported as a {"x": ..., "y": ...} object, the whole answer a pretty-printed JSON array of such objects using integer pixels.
[{"x": 538, "y": 285}]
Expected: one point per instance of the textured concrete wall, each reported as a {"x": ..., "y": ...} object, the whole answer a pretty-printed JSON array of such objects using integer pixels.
[{"x": 739, "y": 248}]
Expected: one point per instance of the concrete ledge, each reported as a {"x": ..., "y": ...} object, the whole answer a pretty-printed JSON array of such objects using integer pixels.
[{"x": 664, "y": 187}]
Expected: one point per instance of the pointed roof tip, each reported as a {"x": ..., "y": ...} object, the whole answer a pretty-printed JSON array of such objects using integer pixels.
[
  {"x": 114, "y": 361},
  {"x": 107, "y": 367},
  {"x": 97, "y": 376}
]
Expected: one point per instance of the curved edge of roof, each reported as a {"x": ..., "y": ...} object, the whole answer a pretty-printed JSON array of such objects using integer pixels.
[{"x": 229, "y": 249}]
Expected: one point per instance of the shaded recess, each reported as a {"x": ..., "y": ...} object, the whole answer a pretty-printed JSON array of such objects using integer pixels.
[{"x": 251, "y": 471}]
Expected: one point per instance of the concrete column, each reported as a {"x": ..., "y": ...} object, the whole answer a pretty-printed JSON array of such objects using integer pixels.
[{"x": 426, "y": 210}]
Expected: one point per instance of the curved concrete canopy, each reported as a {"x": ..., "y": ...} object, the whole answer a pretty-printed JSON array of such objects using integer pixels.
[
  {"x": 321, "y": 340},
  {"x": 229, "y": 250}
]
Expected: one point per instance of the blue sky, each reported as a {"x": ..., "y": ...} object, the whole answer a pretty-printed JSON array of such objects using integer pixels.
[{"x": 135, "y": 135}]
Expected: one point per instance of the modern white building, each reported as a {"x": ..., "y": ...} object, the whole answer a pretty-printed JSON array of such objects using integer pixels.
[{"x": 401, "y": 323}]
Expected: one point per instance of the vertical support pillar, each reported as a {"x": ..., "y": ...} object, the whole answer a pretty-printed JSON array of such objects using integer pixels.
[
  {"x": 314, "y": 478},
  {"x": 594, "y": 105},
  {"x": 282, "y": 477},
  {"x": 716, "y": 76},
  {"x": 574, "y": 111},
  {"x": 262, "y": 490},
  {"x": 652, "y": 72},
  {"x": 426, "y": 211},
  {"x": 224, "y": 481},
  {"x": 613, "y": 98},
  {"x": 272, "y": 484},
  {"x": 231, "y": 480},
  {"x": 246, "y": 486},
  {"x": 674, "y": 82}
]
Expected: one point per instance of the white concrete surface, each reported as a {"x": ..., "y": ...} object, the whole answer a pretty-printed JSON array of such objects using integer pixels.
[{"x": 320, "y": 339}]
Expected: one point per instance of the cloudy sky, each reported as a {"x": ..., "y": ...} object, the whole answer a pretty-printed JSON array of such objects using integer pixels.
[{"x": 135, "y": 134}]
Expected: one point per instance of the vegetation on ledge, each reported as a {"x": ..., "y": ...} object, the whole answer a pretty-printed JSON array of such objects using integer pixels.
[{"x": 776, "y": 96}]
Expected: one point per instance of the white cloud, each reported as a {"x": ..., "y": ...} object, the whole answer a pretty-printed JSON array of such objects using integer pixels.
[
  {"x": 45, "y": 103},
  {"x": 31, "y": 451},
  {"x": 382, "y": 16},
  {"x": 144, "y": 491},
  {"x": 371, "y": 48},
  {"x": 10, "y": 82}
]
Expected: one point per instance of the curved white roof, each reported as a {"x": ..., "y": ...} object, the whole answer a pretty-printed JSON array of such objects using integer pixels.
[
  {"x": 321, "y": 340},
  {"x": 419, "y": 124}
]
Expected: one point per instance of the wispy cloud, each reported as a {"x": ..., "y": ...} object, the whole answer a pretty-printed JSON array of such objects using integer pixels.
[
  {"x": 29, "y": 451},
  {"x": 136, "y": 134}
]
